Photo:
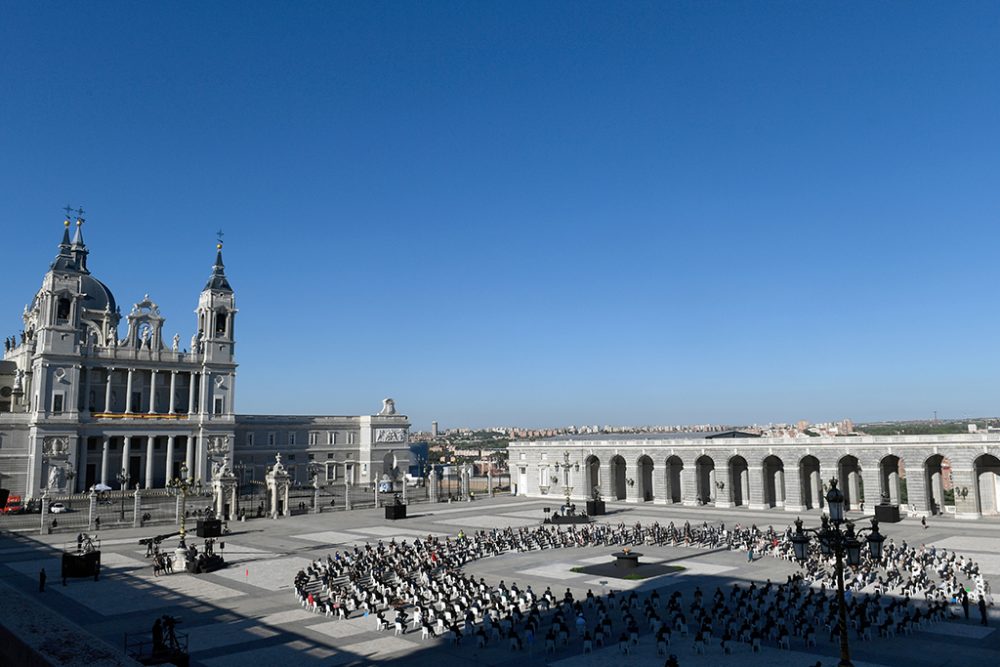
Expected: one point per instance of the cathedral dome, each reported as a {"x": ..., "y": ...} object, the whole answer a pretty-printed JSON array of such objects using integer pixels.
[{"x": 97, "y": 296}]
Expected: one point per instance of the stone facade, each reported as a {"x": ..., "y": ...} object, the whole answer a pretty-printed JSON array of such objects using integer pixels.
[
  {"x": 763, "y": 473},
  {"x": 81, "y": 405}
]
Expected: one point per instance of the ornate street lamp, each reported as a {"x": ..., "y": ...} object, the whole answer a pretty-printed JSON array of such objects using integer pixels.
[
  {"x": 183, "y": 485},
  {"x": 123, "y": 480},
  {"x": 843, "y": 544}
]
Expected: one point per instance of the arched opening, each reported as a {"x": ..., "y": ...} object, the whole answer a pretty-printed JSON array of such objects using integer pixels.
[
  {"x": 672, "y": 472},
  {"x": 592, "y": 474},
  {"x": 617, "y": 477},
  {"x": 739, "y": 480},
  {"x": 890, "y": 478},
  {"x": 987, "y": 470},
  {"x": 704, "y": 470},
  {"x": 937, "y": 481},
  {"x": 849, "y": 481},
  {"x": 812, "y": 486},
  {"x": 389, "y": 465},
  {"x": 645, "y": 478},
  {"x": 774, "y": 481}
]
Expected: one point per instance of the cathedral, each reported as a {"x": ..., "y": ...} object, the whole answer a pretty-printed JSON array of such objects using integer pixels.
[{"x": 82, "y": 405}]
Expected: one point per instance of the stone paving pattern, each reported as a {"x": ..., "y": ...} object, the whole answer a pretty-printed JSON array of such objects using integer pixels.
[{"x": 247, "y": 612}]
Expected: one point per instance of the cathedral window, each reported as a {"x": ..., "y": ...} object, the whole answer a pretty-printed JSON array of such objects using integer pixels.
[
  {"x": 220, "y": 324},
  {"x": 271, "y": 439},
  {"x": 350, "y": 438},
  {"x": 314, "y": 438},
  {"x": 57, "y": 404},
  {"x": 249, "y": 439},
  {"x": 219, "y": 406},
  {"x": 62, "y": 309},
  {"x": 291, "y": 438}
]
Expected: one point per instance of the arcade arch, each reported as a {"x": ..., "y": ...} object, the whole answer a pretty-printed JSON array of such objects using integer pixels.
[
  {"x": 739, "y": 480},
  {"x": 704, "y": 470},
  {"x": 812, "y": 486},
  {"x": 672, "y": 472},
  {"x": 987, "y": 475},
  {"x": 617, "y": 477},
  {"x": 849, "y": 479},
  {"x": 774, "y": 481},
  {"x": 644, "y": 478}
]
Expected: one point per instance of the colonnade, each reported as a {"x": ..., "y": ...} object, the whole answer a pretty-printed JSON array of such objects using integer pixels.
[
  {"x": 186, "y": 391},
  {"x": 148, "y": 460},
  {"x": 921, "y": 480}
]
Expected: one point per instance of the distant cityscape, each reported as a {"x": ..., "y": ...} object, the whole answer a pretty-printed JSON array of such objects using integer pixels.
[{"x": 486, "y": 448}]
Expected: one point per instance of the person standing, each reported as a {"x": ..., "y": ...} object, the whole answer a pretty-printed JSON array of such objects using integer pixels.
[
  {"x": 923, "y": 522},
  {"x": 965, "y": 602},
  {"x": 982, "y": 609},
  {"x": 41, "y": 580}
]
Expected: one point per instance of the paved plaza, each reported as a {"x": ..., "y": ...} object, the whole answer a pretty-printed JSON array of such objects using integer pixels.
[{"x": 247, "y": 613}]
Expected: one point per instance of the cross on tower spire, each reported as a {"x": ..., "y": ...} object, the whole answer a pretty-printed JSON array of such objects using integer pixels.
[{"x": 69, "y": 210}]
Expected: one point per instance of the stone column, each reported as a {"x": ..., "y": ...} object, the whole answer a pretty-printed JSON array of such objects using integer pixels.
[
  {"x": 689, "y": 486},
  {"x": 107, "y": 391},
  {"x": 965, "y": 478},
  {"x": 189, "y": 455},
  {"x": 794, "y": 501},
  {"x": 202, "y": 394},
  {"x": 191, "y": 385},
  {"x": 375, "y": 487},
  {"x": 128, "y": 391},
  {"x": 136, "y": 507},
  {"x": 724, "y": 496},
  {"x": 755, "y": 492},
  {"x": 105, "y": 444},
  {"x": 126, "y": 454},
  {"x": 853, "y": 490},
  {"x": 169, "y": 475},
  {"x": 779, "y": 488},
  {"x": 712, "y": 490},
  {"x": 152, "y": 392},
  {"x": 173, "y": 389},
  {"x": 605, "y": 476},
  {"x": 347, "y": 494},
  {"x": 489, "y": 482},
  {"x": 150, "y": 440},
  {"x": 405, "y": 493}
]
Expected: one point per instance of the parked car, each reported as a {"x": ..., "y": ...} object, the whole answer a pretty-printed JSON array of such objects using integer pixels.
[{"x": 57, "y": 508}]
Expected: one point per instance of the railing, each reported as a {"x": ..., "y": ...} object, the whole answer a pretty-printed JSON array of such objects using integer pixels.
[{"x": 138, "y": 415}]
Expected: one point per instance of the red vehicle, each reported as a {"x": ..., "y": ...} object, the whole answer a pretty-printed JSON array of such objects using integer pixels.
[{"x": 14, "y": 505}]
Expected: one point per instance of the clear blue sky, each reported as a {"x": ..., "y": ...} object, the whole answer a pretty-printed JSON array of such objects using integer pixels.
[{"x": 532, "y": 213}]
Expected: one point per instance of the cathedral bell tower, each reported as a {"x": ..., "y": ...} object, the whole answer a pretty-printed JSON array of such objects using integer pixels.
[{"x": 215, "y": 344}]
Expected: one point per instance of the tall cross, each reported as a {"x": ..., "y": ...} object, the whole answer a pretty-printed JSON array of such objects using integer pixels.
[
  {"x": 69, "y": 210},
  {"x": 219, "y": 235},
  {"x": 79, "y": 214}
]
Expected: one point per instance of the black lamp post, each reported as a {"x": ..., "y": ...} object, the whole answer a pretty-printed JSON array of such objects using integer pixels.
[
  {"x": 183, "y": 485},
  {"x": 841, "y": 543},
  {"x": 123, "y": 479}
]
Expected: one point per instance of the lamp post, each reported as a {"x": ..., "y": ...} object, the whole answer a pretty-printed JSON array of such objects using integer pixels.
[
  {"x": 840, "y": 543},
  {"x": 240, "y": 468},
  {"x": 183, "y": 485},
  {"x": 123, "y": 479}
]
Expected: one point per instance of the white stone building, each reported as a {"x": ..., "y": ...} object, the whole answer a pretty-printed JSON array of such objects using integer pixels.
[{"x": 81, "y": 404}]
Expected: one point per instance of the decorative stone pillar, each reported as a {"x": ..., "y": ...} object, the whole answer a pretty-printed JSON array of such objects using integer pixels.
[
  {"x": 816, "y": 489},
  {"x": 126, "y": 455},
  {"x": 347, "y": 494},
  {"x": 224, "y": 486},
  {"x": 779, "y": 488},
  {"x": 173, "y": 390},
  {"x": 405, "y": 492},
  {"x": 277, "y": 485},
  {"x": 937, "y": 489},
  {"x": 375, "y": 487},
  {"x": 315, "y": 507},
  {"x": 853, "y": 490},
  {"x": 91, "y": 509},
  {"x": 892, "y": 482},
  {"x": 489, "y": 482},
  {"x": 107, "y": 391},
  {"x": 136, "y": 506},
  {"x": 152, "y": 392},
  {"x": 712, "y": 489}
]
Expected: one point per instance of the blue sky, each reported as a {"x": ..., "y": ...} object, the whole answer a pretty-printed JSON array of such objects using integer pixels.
[{"x": 532, "y": 213}]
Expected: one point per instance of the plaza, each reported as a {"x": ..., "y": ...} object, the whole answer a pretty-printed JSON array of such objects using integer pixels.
[{"x": 248, "y": 611}]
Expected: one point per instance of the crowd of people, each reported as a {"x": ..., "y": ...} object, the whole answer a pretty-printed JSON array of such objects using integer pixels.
[{"x": 418, "y": 586}]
